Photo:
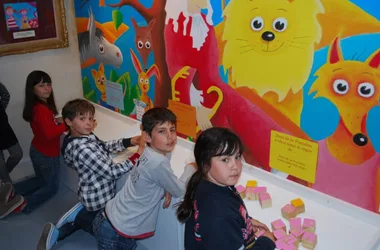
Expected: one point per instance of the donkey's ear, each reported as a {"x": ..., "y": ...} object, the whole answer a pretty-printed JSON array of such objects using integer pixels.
[
  {"x": 335, "y": 52},
  {"x": 136, "y": 62}
]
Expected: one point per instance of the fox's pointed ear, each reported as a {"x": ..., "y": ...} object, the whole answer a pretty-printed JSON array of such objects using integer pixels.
[
  {"x": 374, "y": 60},
  {"x": 335, "y": 52}
]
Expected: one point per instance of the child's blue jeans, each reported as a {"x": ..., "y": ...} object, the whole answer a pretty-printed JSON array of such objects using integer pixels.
[
  {"x": 107, "y": 238},
  {"x": 46, "y": 183}
]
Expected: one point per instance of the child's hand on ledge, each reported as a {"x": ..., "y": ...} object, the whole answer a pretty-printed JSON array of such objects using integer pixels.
[
  {"x": 135, "y": 141},
  {"x": 168, "y": 199},
  {"x": 194, "y": 165},
  {"x": 142, "y": 143}
]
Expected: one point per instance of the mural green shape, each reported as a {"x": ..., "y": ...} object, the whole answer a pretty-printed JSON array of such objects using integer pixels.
[
  {"x": 131, "y": 93},
  {"x": 88, "y": 91},
  {"x": 117, "y": 18}
]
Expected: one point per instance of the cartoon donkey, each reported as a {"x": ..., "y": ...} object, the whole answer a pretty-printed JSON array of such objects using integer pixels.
[
  {"x": 93, "y": 44},
  {"x": 143, "y": 40},
  {"x": 143, "y": 79}
]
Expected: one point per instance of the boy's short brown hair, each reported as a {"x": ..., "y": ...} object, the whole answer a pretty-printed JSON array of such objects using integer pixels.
[
  {"x": 155, "y": 116},
  {"x": 77, "y": 107}
]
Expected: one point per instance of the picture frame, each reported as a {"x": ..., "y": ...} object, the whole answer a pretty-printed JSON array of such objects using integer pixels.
[{"x": 32, "y": 25}]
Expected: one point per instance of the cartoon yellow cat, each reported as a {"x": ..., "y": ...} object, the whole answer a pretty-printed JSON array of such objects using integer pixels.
[
  {"x": 100, "y": 82},
  {"x": 269, "y": 47}
]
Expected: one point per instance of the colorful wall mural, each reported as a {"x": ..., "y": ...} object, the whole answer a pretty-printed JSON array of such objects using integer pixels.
[{"x": 310, "y": 69}]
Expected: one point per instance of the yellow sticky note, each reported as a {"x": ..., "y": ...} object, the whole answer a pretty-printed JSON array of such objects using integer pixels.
[
  {"x": 186, "y": 118},
  {"x": 294, "y": 156}
]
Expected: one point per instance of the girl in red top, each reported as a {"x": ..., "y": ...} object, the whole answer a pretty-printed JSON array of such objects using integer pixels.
[{"x": 40, "y": 111}]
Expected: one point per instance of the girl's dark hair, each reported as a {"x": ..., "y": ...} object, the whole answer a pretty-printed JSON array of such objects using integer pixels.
[
  {"x": 31, "y": 99},
  {"x": 212, "y": 142}
]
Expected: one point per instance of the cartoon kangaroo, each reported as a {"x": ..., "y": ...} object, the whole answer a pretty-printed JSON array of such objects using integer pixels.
[
  {"x": 348, "y": 155},
  {"x": 100, "y": 82},
  {"x": 93, "y": 44},
  {"x": 143, "y": 79},
  {"x": 143, "y": 39}
]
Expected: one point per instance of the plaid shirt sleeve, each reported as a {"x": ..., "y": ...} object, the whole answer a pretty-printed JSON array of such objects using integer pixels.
[
  {"x": 103, "y": 165},
  {"x": 114, "y": 146}
]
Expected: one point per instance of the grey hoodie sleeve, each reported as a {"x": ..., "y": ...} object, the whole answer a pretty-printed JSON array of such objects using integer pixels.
[{"x": 165, "y": 178}]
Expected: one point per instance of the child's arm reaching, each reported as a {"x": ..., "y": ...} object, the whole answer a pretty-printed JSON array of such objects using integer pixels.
[
  {"x": 103, "y": 165},
  {"x": 121, "y": 144},
  {"x": 165, "y": 178},
  {"x": 225, "y": 233},
  {"x": 4, "y": 96}
]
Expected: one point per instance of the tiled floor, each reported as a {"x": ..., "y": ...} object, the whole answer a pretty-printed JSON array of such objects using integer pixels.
[{"x": 21, "y": 232}]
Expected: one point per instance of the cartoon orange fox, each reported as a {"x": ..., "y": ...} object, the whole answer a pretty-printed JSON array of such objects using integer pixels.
[{"x": 348, "y": 154}]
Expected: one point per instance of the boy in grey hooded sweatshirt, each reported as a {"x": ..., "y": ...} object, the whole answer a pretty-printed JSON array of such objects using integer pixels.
[{"x": 133, "y": 213}]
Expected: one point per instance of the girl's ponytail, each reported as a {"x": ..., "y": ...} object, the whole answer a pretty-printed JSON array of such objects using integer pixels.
[{"x": 185, "y": 209}]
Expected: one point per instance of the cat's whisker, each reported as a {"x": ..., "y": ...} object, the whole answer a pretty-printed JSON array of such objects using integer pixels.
[
  {"x": 360, "y": 55},
  {"x": 246, "y": 51},
  {"x": 243, "y": 40},
  {"x": 299, "y": 42},
  {"x": 296, "y": 47},
  {"x": 245, "y": 46},
  {"x": 300, "y": 37},
  {"x": 353, "y": 56}
]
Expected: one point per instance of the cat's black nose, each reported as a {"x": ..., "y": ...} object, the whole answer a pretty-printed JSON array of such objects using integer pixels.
[
  {"x": 268, "y": 36},
  {"x": 360, "y": 139}
]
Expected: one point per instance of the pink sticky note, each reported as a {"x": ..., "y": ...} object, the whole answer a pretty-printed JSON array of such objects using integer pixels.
[
  {"x": 296, "y": 232},
  {"x": 240, "y": 189},
  {"x": 295, "y": 223},
  {"x": 288, "y": 247},
  {"x": 264, "y": 197},
  {"x": 307, "y": 223},
  {"x": 289, "y": 208},
  {"x": 290, "y": 239},
  {"x": 309, "y": 237},
  {"x": 278, "y": 224},
  {"x": 249, "y": 193},
  {"x": 259, "y": 190},
  {"x": 279, "y": 233},
  {"x": 280, "y": 244}
]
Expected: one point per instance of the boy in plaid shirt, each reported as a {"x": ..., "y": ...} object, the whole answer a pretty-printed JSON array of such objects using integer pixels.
[{"x": 92, "y": 160}]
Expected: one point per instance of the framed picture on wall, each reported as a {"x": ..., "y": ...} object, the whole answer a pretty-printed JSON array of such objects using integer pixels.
[{"x": 32, "y": 25}]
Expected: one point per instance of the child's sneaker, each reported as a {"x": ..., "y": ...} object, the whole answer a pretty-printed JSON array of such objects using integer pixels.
[
  {"x": 20, "y": 207},
  {"x": 12, "y": 205},
  {"x": 70, "y": 215},
  {"x": 49, "y": 237},
  {"x": 6, "y": 190}
]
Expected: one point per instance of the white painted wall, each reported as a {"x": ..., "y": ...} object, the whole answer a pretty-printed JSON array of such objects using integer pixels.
[{"x": 63, "y": 65}]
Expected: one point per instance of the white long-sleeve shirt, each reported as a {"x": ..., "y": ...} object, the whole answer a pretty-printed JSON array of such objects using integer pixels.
[{"x": 134, "y": 210}]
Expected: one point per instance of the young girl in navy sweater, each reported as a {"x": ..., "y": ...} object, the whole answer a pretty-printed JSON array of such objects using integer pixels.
[
  {"x": 214, "y": 213},
  {"x": 39, "y": 111}
]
